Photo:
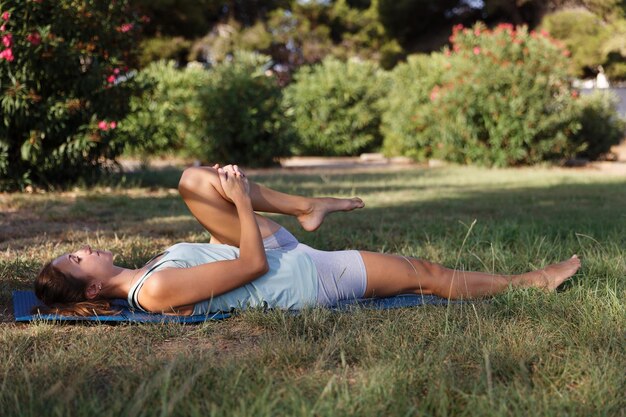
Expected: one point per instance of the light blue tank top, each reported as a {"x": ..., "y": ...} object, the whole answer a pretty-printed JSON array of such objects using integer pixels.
[{"x": 291, "y": 282}]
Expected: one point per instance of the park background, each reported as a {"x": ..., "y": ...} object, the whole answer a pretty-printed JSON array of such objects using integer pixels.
[
  {"x": 493, "y": 83},
  {"x": 501, "y": 93}
]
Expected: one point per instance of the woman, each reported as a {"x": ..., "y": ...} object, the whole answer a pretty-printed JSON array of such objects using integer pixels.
[{"x": 252, "y": 261}]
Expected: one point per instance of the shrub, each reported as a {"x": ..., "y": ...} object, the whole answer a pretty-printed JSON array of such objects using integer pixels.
[
  {"x": 411, "y": 83},
  {"x": 166, "y": 119},
  {"x": 335, "y": 107},
  {"x": 63, "y": 87},
  {"x": 601, "y": 127},
  {"x": 241, "y": 114},
  {"x": 503, "y": 99}
]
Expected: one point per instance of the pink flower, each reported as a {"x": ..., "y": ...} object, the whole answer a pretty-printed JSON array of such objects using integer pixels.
[
  {"x": 506, "y": 27},
  {"x": 557, "y": 43},
  {"x": 477, "y": 31},
  {"x": 3, "y": 28},
  {"x": 126, "y": 27},
  {"x": 7, "y": 54},
  {"x": 116, "y": 71},
  {"x": 447, "y": 52},
  {"x": 34, "y": 38},
  {"x": 476, "y": 50},
  {"x": 7, "y": 40},
  {"x": 545, "y": 33},
  {"x": 102, "y": 125},
  {"x": 6, "y": 16},
  {"x": 566, "y": 52},
  {"x": 457, "y": 28},
  {"x": 434, "y": 93},
  {"x": 113, "y": 125},
  {"x": 111, "y": 79}
]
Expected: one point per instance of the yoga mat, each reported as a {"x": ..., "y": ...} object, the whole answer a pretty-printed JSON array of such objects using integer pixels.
[{"x": 24, "y": 301}]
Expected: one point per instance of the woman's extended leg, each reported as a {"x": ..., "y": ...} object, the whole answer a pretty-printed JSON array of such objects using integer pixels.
[
  {"x": 389, "y": 275},
  {"x": 202, "y": 192}
]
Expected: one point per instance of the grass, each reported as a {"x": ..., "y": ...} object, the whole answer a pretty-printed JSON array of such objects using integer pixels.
[{"x": 524, "y": 353}]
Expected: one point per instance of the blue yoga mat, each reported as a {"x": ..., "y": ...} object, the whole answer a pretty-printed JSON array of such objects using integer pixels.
[{"x": 25, "y": 301}]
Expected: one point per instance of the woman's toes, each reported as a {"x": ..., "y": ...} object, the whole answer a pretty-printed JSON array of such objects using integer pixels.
[{"x": 358, "y": 203}]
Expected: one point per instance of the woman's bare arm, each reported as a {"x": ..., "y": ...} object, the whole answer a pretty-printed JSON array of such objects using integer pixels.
[{"x": 173, "y": 287}]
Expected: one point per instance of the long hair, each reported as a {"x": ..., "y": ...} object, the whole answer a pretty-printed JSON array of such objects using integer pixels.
[{"x": 64, "y": 294}]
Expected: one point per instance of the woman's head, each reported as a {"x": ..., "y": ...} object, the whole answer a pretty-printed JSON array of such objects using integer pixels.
[
  {"x": 71, "y": 283},
  {"x": 86, "y": 264}
]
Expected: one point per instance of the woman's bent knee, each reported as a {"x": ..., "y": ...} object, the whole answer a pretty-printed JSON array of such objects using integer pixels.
[{"x": 195, "y": 178}]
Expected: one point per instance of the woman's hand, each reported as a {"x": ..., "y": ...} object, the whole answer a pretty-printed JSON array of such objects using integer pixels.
[
  {"x": 235, "y": 184},
  {"x": 229, "y": 168}
]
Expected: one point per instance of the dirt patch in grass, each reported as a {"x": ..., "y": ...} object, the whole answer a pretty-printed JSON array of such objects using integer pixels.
[{"x": 237, "y": 340}]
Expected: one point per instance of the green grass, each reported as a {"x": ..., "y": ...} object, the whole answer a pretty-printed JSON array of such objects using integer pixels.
[{"x": 524, "y": 353}]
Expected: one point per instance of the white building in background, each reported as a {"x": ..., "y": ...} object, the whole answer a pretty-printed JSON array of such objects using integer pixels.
[{"x": 601, "y": 80}]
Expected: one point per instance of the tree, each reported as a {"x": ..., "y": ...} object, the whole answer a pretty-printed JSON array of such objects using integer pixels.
[
  {"x": 531, "y": 12},
  {"x": 584, "y": 34},
  {"x": 194, "y": 18}
]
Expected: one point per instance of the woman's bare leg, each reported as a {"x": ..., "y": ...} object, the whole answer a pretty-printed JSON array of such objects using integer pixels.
[
  {"x": 389, "y": 275},
  {"x": 202, "y": 192}
]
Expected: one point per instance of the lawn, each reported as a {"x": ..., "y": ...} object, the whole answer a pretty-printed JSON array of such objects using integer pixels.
[{"x": 524, "y": 353}]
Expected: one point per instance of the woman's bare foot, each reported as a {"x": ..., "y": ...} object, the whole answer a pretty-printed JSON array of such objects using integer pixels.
[
  {"x": 314, "y": 216},
  {"x": 552, "y": 276}
]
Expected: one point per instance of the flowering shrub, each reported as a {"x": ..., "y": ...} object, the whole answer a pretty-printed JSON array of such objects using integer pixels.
[
  {"x": 64, "y": 85},
  {"x": 335, "y": 107},
  {"x": 503, "y": 98}
]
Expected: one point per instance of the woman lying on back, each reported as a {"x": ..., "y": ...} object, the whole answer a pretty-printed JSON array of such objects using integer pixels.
[{"x": 252, "y": 261}]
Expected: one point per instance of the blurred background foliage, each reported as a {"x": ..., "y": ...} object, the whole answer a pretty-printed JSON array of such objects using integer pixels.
[
  {"x": 254, "y": 80},
  {"x": 305, "y": 31}
]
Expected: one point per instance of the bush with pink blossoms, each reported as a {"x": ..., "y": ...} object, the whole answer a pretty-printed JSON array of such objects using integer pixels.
[
  {"x": 498, "y": 97},
  {"x": 503, "y": 100},
  {"x": 65, "y": 82}
]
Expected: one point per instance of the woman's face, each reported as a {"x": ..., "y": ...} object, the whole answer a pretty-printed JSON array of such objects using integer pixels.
[{"x": 86, "y": 263}]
